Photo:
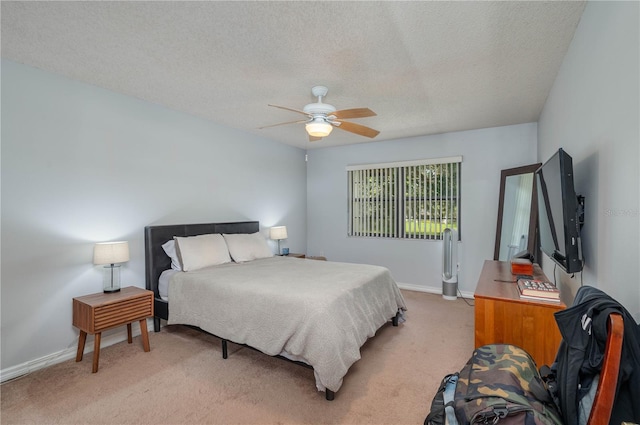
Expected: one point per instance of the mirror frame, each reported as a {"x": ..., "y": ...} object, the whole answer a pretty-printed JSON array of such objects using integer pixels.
[{"x": 533, "y": 215}]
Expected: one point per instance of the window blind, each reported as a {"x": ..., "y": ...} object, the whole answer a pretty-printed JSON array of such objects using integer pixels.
[{"x": 405, "y": 200}]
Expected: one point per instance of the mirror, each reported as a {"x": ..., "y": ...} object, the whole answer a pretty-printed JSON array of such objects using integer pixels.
[{"x": 517, "y": 213}]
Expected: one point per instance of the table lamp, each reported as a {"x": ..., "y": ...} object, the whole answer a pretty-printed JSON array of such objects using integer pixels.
[
  {"x": 278, "y": 233},
  {"x": 110, "y": 253}
]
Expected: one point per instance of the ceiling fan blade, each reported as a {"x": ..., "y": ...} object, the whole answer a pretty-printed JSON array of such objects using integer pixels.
[
  {"x": 314, "y": 138},
  {"x": 289, "y": 109},
  {"x": 354, "y": 113},
  {"x": 283, "y": 123},
  {"x": 357, "y": 129}
]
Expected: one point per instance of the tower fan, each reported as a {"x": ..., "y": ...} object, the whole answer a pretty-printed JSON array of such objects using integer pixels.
[{"x": 450, "y": 264}]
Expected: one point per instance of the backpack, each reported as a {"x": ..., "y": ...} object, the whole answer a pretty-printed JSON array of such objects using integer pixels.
[{"x": 500, "y": 384}]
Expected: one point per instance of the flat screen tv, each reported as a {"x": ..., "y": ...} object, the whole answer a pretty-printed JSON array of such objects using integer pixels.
[{"x": 558, "y": 212}]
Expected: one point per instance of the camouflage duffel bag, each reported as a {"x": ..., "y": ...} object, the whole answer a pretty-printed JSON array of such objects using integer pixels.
[
  {"x": 500, "y": 384},
  {"x": 442, "y": 411}
]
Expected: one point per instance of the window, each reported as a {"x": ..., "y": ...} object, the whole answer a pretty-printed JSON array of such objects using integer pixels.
[{"x": 405, "y": 200}]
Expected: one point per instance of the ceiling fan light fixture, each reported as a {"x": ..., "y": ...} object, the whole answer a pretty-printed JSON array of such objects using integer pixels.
[
  {"x": 322, "y": 117},
  {"x": 318, "y": 128}
]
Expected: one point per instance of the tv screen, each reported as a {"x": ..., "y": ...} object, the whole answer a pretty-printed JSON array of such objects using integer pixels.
[{"x": 559, "y": 228}]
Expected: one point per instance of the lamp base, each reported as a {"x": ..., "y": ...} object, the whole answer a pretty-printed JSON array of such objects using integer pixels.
[
  {"x": 111, "y": 281},
  {"x": 108, "y": 291}
]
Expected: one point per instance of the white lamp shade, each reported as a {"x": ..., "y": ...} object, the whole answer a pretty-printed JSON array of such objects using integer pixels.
[
  {"x": 318, "y": 128},
  {"x": 110, "y": 252},
  {"x": 278, "y": 232}
]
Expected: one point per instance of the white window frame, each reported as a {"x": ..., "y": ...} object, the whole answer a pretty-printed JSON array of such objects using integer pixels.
[{"x": 378, "y": 192}]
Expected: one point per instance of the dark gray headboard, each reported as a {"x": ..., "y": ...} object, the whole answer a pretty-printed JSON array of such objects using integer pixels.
[{"x": 156, "y": 261}]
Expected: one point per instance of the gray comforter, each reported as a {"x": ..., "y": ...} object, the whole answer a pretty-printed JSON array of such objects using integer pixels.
[{"x": 320, "y": 312}]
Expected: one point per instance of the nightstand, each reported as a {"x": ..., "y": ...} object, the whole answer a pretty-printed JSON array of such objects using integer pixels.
[
  {"x": 308, "y": 257},
  {"x": 95, "y": 313},
  {"x": 316, "y": 257}
]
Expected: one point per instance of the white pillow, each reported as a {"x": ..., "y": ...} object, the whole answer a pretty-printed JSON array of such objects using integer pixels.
[
  {"x": 247, "y": 246},
  {"x": 170, "y": 249},
  {"x": 197, "y": 252}
]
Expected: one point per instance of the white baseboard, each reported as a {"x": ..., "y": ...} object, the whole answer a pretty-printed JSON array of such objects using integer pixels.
[
  {"x": 68, "y": 353},
  {"x": 430, "y": 289}
]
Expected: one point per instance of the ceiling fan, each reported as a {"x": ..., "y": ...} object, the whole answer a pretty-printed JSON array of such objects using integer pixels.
[{"x": 322, "y": 117}]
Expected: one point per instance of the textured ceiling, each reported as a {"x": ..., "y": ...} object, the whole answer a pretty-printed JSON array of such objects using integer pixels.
[{"x": 423, "y": 67}]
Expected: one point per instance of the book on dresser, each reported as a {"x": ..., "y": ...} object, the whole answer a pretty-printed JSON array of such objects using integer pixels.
[{"x": 538, "y": 290}]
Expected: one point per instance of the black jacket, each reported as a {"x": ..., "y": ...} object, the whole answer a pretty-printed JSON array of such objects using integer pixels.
[{"x": 584, "y": 333}]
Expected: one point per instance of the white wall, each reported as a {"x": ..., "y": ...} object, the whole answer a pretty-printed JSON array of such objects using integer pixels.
[
  {"x": 81, "y": 164},
  {"x": 415, "y": 263},
  {"x": 593, "y": 113}
]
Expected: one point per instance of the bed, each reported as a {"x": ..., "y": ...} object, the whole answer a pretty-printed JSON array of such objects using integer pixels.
[{"x": 316, "y": 313}]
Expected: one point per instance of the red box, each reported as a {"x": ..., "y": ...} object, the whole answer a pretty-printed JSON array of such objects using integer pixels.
[{"x": 521, "y": 266}]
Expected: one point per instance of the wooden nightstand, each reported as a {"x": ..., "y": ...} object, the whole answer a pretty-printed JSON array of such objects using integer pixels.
[
  {"x": 95, "y": 313},
  {"x": 316, "y": 257},
  {"x": 308, "y": 257}
]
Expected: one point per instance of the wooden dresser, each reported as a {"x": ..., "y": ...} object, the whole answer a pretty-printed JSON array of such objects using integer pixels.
[{"x": 501, "y": 316}]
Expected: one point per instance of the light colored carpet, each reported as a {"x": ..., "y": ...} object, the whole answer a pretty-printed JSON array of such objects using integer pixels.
[{"x": 184, "y": 380}]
